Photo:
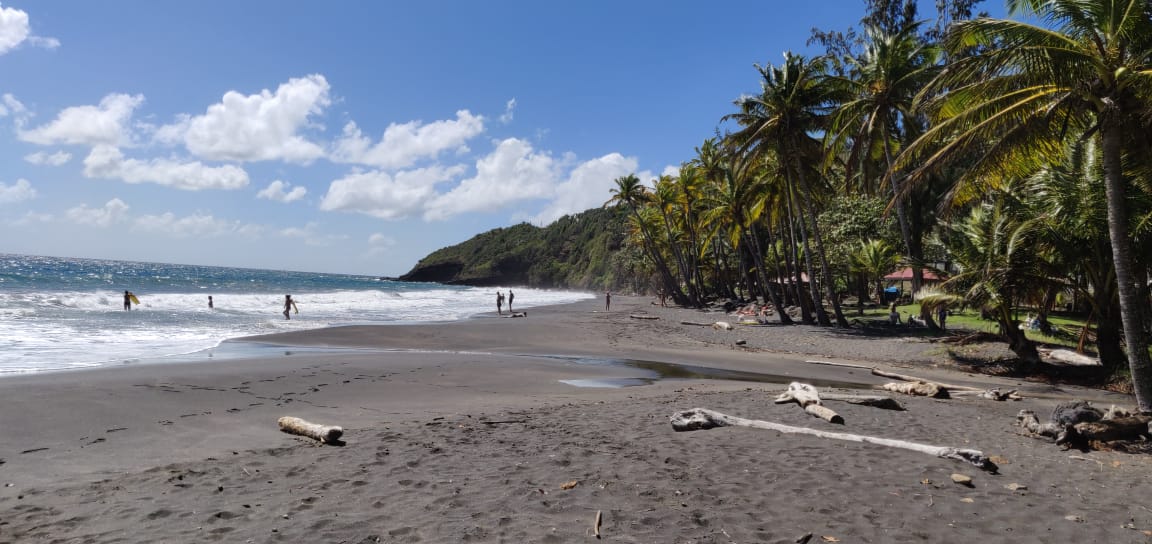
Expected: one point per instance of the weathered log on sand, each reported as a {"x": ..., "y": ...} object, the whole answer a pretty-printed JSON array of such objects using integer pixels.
[
  {"x": 990, "y": 394},
  {"x": 847, "y": 365},
  {"x": 919, "y": 389},
  {"x": 722, "y": 326},
  {"x": 884, "y": 403},
  {"x": 696, "y": 323},
  {"x": 806, "y": 396},
  {"x": 1105, "y": 430},
  {"x": 895, "y": 376},
  {"x": 701, "y": 418},
  {"x": 634, "y": 316},
  {"x": 1028, "y": 420},
  {"x": 1070, "y": 358},
  {"x": 328, "y": 434}
]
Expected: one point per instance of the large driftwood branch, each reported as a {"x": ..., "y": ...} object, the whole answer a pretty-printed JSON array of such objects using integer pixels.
[
  {"x": 806, "y": 396},
  {"x": 638, "y": 316},
  {"x": 701, "y": 418},
  {"x": 875, "y": 401},
  {"x": 893, "y": 375},
  {"x": 328, "y": 434},
  {"x": 919, "y": 389}
]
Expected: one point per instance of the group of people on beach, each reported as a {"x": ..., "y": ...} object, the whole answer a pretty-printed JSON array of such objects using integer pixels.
[
  {"x": 289, "y": 304},
  {"x": 500, "y": 302}
]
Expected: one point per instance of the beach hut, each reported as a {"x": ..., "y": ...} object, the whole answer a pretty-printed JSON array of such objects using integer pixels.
[{"x": 901, "y": 280}]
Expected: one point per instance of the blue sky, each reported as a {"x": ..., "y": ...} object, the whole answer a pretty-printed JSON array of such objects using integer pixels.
[{"x": 354, "y": 137}]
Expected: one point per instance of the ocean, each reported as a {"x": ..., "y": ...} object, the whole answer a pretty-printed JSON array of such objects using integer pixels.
[{"x": 61, "y": 314}]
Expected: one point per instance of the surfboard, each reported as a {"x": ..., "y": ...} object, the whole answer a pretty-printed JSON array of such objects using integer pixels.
[{"x": 134, "y": 300}]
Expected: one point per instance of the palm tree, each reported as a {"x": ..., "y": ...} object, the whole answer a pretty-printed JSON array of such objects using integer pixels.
[
  {"x": 1027, "y": 87},
  {"x": 632, "y": 193},
  {"x": 793, "y": 106},
  {"x": 878, "y": 118},
  {"x": 875, "y": 258}
]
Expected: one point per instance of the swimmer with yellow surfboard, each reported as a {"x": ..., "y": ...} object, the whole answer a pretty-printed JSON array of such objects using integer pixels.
[{"x": 129, "y": 300}]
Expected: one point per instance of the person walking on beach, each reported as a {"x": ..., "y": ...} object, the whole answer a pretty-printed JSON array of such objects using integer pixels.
[
  {"x": 942, "y": 315},
  {"x": 510, "y": 297},
  {"x": 289, "y": 304},
  {"x": 209, "y": 302},
  {"x": 607, "y": 300},
  {"x": 127, "y": 300},
  {"x": 499, "y": 303}
]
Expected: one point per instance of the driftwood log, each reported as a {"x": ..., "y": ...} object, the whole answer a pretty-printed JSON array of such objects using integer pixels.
[
  {"x": 806, "y": 396},
  {"x": 638, "y": 316},
  {"x": 904, "y": 377},
  {"x": 919, "y": 389},
  {"x": 1078, "y": 424},
  {"x": 328, "y": 434},
  {"x": 875, "y": 401},
  {"x": 701, "y": 418}
]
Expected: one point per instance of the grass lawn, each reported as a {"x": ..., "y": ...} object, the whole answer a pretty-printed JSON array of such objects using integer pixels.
[{"x": 1066, "y": 329}]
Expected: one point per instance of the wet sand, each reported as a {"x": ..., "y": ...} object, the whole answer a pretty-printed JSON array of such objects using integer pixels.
[{"x": 472, "y": 432}]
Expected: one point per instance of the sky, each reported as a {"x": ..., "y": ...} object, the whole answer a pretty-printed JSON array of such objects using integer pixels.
[{"x": 356, "y": 136}]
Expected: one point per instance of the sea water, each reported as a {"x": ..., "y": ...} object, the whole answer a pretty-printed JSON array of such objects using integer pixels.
[{"x": 64, "y": 313}]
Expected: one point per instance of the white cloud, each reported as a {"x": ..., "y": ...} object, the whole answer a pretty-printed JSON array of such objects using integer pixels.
[
  {"x": 46, "y": 43},
  {"x": 384, "y": 195},
  {"x": 512, "y": 172},
  {"x": 256, "y": 127},
  {"x": 308, "y": 233},
  {"x": 114, "y": 211},
  {"x": 509, "y": 110},
  {"x": 587, "y": 186},
  {"x": 14, "y": 30},
  {"x": 12, "y": 106},
  {"x": 402, "y": 145},
  {"x": 104, "y": 124},
  {"x": 31, "y": 218},
  {"x": 107, "y": 162},
  {"x": 378, "y": 239},
  {"x": 194, "y": 226},
  {"x": 671, "y": 170},
  {"x": 276, "y": 191},
  {"x": 55, "y": 159},
  {"x": 17, "y": 192}
]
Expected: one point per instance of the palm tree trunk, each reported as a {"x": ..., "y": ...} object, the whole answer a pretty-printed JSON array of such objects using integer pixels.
[
  {"x": 681, "y": 265},
  {"x": 901, "y": 215},
  {"x": 1131, "y": 313},
  {"x": 813, "y": 290},
  {"x": 829, "y": 286},
  {"x": 769, "y": 292},
  {"x": 671, "y": 286}
]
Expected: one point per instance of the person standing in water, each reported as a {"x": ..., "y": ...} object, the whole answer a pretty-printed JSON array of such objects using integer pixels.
[
  {"x": 510, "y": 297},
  {"x": 289, "y": 304},
  {"x": 607, "y": 300},
  {"x": 209, "y": 302},
  {"x": 127, "y": 300},
  {"x": 499, "y": 303}
]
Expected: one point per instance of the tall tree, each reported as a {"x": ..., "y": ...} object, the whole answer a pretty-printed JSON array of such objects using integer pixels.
[
  {"x": 784, "y": 119},
  {"x": 630, "y": 192},
  {"x": 1088, "y": 69}
]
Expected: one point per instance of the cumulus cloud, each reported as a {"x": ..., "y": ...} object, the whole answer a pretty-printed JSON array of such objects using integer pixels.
[
  {"x": 311, "y": 236},
  {"x": 587, "y": 186},
  {"x": 10, "y": 106},
  {"x": 14, "y": 30},
  {"x": 114, "y": 211},
  {"x": 103, "y": 124},
  {"x": 385, "y": 195},
  {"x": 512, "y": 172},
  {"x": 197, "y": 225},
  {"x": 377, "y": 239},
  {"x": 509, "y": 109},
  {"x": 54, "y": 159},
  {"x": 402, "y": 145},
  {"x": 276, "y": 191},
  {"x": 17, "y": 192},
  {"x": 257, "y": 127},
  {"x": 108, "y": 162}
]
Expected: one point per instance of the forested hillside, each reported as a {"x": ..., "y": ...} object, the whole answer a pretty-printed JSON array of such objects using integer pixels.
[{"x": 581, "y": 251}]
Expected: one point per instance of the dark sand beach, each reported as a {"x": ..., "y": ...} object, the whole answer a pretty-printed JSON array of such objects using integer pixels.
[{"x": 474, "y": 432}]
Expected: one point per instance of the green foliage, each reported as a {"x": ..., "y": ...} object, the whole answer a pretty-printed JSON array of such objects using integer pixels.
[{"x": 578, "y": 251}]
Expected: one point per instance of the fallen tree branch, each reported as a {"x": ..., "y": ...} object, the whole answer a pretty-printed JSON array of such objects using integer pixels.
[
  {"x": 806, "y": 396},
  {"x": 847, "y": 365},
  {"x": 919, "y": 389},
  {"x": 328, "y": 434},
  {"x": 701, "y": 418},
  {"x": 884, "y": 403},
  {"x": 635, "y": 316},
  {"x": 893, "y": 375}
]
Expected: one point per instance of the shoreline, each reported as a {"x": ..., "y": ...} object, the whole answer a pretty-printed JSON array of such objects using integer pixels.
[{"x": 473, "y": 439}]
